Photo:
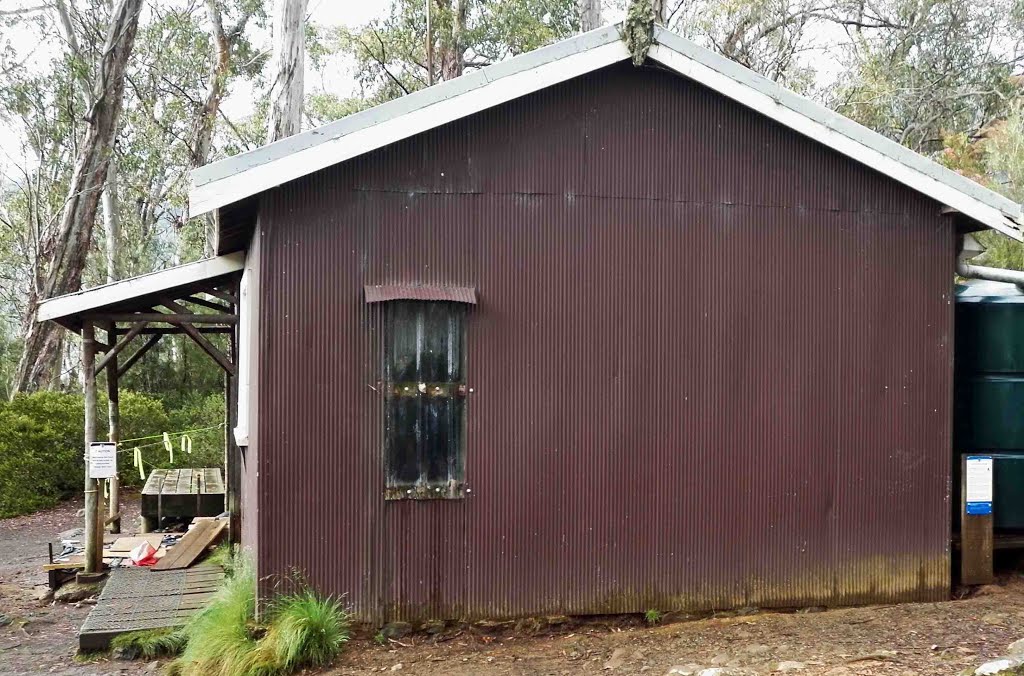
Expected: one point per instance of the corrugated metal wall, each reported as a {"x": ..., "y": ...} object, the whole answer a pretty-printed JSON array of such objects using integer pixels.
[{"x": 711, "y": 364}]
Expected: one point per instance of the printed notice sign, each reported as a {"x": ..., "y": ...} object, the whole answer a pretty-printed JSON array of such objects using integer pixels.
[
  {"x": 102, "y": 460},
  {"x": 979, "y": 484}
]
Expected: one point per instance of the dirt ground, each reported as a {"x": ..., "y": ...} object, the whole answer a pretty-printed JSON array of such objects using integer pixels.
[
  {"x": 934, "y": 639},
  {"x": 40, "y": 636}
]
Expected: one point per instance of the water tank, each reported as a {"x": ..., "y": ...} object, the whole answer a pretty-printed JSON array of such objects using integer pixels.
[{"x": 989, "y": 391}]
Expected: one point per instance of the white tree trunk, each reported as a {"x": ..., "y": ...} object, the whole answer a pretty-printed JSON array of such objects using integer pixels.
[
  {"x": 71, "y": 243},
  {"x": 112, "y": 223},
  {"x": 286, "y": 89},
  {"x": 590, "y": 15}
]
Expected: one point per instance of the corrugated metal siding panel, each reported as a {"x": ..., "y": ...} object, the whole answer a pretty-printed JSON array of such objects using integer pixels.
[{"x": 711, "y": 364}]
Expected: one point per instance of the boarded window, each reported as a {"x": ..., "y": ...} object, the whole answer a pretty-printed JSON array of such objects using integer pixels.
[{"x": 424, "y": 373}]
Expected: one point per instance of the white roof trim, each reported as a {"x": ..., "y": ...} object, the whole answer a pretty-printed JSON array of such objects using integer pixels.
[
  {"x": 241, "y": 176},
  {"x": 117, "y": 292}
]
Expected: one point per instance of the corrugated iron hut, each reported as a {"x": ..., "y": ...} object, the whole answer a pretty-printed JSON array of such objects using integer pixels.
[{"x": 567, "y": 335}]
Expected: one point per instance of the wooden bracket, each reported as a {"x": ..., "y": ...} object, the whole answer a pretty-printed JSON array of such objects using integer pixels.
[
  {"x": 201, "y": 340},
  {"x": 153, "y": 340},
  {"x": 120, "y": 345},
  {"x": 207, "y": 304},
  {"x": 223, "y": 295}
]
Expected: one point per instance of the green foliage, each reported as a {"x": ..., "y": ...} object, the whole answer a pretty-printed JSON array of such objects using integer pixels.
[
  {"x": 653, "y": 616},
  {"x": 638, "y": 30},
  {"x": 302, "y": 630},
  {"x": 221, "y": 639},
  {"x": 305, "y": 631},
  {"x": 31, "y": 472},
  {"x": 931, "y": 69},
  {"x": 201, "y": 412},
  {"x": 223, "y": 555},
  {"x": 149, "y": 644},
  {"x": 42, "y": 443},
  {"x": 390, "y": 53}
]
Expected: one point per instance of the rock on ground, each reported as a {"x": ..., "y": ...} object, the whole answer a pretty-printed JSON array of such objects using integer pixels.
[{"x": 72, "y": 592}]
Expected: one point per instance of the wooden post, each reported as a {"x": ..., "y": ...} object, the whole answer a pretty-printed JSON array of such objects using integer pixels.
[
  {"x": 114, "y": 433},
  {"x": 93, "y": 520},
  {"x": 975, "y": 539}
]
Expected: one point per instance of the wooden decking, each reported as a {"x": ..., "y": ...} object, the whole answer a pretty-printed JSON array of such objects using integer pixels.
[
  {"x": 185, "y": 493},
  {"x": 138, "y": 598}
]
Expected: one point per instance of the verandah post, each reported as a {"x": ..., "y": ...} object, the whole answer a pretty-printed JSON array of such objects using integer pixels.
[
  {"x": 114, "y": 420},
  {"x": 93, "y": 530}
]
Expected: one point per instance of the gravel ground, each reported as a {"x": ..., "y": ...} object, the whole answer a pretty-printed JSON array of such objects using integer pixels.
[{"x": 928, "y": 639}]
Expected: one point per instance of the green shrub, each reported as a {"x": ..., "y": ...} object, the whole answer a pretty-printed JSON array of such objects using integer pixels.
[
  {"x": 32, "y": 471},
  {"x": 200, "y": 413},
  {"x": 42, "y": 443},
  {"x": 58, "y": 419}
]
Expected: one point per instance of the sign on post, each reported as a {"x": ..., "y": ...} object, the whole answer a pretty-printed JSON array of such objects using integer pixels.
[
  {"x": 102, "y": 460},
  {"x": 979, "y": 484}
]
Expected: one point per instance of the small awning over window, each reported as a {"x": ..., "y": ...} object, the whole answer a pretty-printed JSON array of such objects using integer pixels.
[{"x": 452, "y": 294}]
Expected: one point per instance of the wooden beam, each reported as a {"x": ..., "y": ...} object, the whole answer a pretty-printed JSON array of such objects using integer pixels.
[
  {"x": 200, "y": 339},
  {"x": 167, "y": 318},
  {"x": 111, "y": 355},
  {"x": 223, "y": 295},
  {"x": 177, "y": 330},
  {"x": 153, "y": 340},
  {"x": 207, "y": 303}
]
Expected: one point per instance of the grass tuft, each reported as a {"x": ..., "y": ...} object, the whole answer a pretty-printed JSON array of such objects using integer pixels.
[
  {"x": 149, "y": 644},
  {"x": 653, "y": 616},
  {"x": 223, "y": 555},
  {"x": 305, "y": 630},
  {"x": 302, "y": 630}
]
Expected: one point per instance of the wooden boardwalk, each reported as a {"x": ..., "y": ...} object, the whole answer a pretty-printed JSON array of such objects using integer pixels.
[
  {"x": 139, "y": 598},
  {"x": 185, "y": 493}
]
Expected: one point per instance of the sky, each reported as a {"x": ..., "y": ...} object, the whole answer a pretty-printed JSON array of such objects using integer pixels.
[{"x": 337, "y": 77}]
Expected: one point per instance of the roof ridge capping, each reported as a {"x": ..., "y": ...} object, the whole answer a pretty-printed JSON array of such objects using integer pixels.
[
  {"x": 801, "y": 105},
  {"x": 442, "y": 91},
  {"x": 235, "y": 178}
]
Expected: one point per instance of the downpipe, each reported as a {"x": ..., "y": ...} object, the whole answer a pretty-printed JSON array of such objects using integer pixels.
[{"x": 965, "y": 269}]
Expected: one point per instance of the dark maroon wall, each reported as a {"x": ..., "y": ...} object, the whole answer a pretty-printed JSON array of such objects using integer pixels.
[{"x": 711, "y": 364}]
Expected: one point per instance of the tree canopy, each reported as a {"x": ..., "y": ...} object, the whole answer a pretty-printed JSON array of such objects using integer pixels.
[{"x": 942, "y": 77}]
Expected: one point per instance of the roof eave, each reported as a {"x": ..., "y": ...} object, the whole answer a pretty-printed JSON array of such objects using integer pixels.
[
  {"x": 233, "y": 179},
  {"x": 70, "y": 309}
]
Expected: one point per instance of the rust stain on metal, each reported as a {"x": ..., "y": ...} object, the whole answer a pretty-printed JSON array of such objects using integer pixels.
[{"x": 711, "y": 364}]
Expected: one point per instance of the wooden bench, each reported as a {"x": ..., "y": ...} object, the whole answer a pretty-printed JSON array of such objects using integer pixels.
[{"x": 181, "y": 493}]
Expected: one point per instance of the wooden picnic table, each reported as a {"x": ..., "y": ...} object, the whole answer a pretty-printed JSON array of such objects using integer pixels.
[{"x": 185, "y": 493}]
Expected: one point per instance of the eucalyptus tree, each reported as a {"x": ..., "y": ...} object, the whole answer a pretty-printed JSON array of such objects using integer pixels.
[
  {"x": 288, "y": 70},
  {"x": 69, "y": 244},
  {"x": 391, "y": 53}
]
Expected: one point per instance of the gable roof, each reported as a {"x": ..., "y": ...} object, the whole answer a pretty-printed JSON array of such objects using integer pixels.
[{"x": 236, "y": 178}]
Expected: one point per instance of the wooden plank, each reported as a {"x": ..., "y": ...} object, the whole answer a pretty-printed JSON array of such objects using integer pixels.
[
  {"x": 155, "y": 482},
  {"x": 72, "y": 562},
  {"x": 975, "y": 539},
  {"x": 126, "y": 544},
  {"x": 191, "y": 547}
]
